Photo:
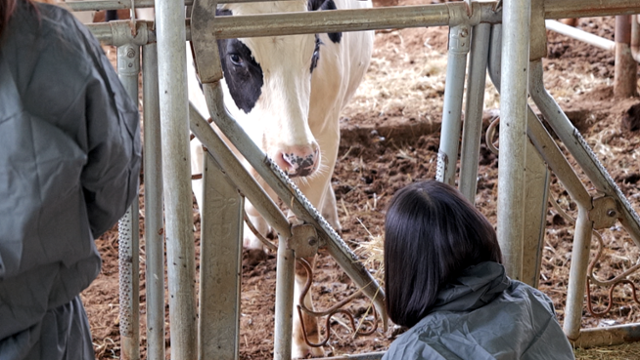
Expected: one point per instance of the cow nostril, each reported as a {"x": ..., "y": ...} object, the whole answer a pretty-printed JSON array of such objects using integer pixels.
[{"x": 300, "y": 165}]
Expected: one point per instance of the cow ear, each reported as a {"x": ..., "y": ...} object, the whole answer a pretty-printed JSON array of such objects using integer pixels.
[{"x": 314, "y": 5}]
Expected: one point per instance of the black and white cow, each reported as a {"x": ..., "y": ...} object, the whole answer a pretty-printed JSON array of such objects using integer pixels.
[{"x": 287, "y": 93}]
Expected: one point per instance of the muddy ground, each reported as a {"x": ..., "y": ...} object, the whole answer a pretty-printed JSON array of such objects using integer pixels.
[{"x": 390, "y": 137}]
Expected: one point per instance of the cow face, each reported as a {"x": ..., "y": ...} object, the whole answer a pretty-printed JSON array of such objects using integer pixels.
[{"x": 268, "y": 87}]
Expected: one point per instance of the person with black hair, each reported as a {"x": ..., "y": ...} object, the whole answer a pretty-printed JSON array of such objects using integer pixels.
[
  {"x": 69, "y": 169},
  {"x": 444, "y": 279}
]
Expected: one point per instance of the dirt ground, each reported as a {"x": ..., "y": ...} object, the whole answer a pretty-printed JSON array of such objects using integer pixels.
[{"x": 390, "y": 137}]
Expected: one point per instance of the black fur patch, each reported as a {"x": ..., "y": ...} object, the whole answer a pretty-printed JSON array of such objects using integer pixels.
[
  {"x": 316, "y": 54},
  {"x": 242, "y": 73},
  {"x": 314, "y": 5}
]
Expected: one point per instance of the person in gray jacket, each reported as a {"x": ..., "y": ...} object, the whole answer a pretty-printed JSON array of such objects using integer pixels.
[
  {"x": 69, "y": 169},
  {"x": 445, "y": 281}
]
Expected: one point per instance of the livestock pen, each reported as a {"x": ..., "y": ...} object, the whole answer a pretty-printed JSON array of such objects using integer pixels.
[{"x": 616, "y": 7}]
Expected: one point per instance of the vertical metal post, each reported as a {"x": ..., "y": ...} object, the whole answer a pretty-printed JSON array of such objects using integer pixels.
[
  {"x": 578, "y": 274},
  {"x": 624, "y": 81},
  {"x": 459, "y": 44},
  {"x": 174, "y": 117},
  {"x": 153, "y": 220},
  {"x": 513, "y": 126},
  {"x": 220, "y": 265},
  {"x": 472, "y": 127},
  {"x": 284, "y": 301},
  {"x": 128, "y": 228}
]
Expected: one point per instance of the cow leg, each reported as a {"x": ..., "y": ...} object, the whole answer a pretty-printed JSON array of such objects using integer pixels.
[
  {"x": 330, "y": 209},
  {"x": 250, "y": 240}
]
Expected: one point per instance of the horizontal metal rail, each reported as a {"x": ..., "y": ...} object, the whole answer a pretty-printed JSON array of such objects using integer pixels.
[
  {"x": 97, "y": 5},
  {"x": 556, "y": 9},
  {"x": 607, "y": 336},
  {"x": 368, "y": 356},
  {"x": 451, "y": 14},
  {"x": 581, "y": 35}
]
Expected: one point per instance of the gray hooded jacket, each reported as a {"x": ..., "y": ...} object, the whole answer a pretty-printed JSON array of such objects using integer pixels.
[
  {"x": 484, "y": 315},
  {"x": 69, "y": 162}
]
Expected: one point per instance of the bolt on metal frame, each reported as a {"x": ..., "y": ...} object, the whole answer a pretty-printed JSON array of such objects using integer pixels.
[{"x": 171, "y": 34}]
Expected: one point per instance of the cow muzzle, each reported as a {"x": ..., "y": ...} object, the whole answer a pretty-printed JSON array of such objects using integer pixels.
[{"x": 299, "y": 160}]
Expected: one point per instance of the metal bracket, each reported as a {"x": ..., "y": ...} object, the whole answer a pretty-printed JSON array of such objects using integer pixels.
[
  {"x": 304, "y": 240},
  {"x": 604, "y": 213}
]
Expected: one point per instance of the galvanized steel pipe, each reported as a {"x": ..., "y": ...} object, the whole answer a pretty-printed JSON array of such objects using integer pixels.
[
  {"x": 153, "y": 219},
  {"x": 367, "y": 19},
  {"x": 459, "y": 45},
  {"x": 97, "y": 5},
  {"x": 513, "y": 127},
  {"x": 474, "y": 104},
  {"x": 561, "y": 9},
  {"x": 129, "y": 234},
  {"x": 578, "y": 274},
  {"x": 176, "y": 168},
  {"x": 581, "y": 35},
  {"x": 285, "y": 278}
]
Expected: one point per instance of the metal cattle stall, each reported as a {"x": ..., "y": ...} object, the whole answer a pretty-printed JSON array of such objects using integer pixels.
[{"x": 482, "y": 31}]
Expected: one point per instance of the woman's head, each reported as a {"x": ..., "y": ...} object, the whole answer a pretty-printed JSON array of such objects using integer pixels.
[{"x": 432, "y": 233}]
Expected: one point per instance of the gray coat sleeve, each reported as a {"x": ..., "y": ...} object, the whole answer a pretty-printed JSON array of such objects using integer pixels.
[{"x": 113, "y": 136}]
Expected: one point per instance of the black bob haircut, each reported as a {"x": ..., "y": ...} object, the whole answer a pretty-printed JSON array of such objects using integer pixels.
[{"x": 432, "y": 233}]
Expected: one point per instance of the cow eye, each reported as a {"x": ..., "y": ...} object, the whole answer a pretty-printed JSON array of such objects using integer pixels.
[{"x": 235, "y": 59}]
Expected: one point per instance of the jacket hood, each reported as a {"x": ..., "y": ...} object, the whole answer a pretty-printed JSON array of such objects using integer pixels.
[{"x": 476, "y": 286}]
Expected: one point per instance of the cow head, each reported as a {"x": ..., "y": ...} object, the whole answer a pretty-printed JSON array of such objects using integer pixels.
[{"x": 269, "y": 81}]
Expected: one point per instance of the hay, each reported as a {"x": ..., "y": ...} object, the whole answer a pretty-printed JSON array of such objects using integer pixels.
[{"x": 619, "y": 352}]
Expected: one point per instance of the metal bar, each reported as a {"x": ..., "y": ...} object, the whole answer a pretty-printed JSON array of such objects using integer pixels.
[
  {"x": 290, "y": 195},
  {"x": 153, "y": 219},
  {"x": 537, "y": 177},
  {"x": 560, "y": 9},
  {"x": 578, "y": 274},
  {"x": 459, "y": 45},
  {"x": 513, "y": 106},
  {"x": 367, "y": 19},
  {"x": 583, "y": 154},
  {"x": 128, "y": 228},
  {"x": 353, "y": 20},
  {"x": 472, "y": 127},
  {"x": 285, "y": 273},
  {"x": 611, "y": 335},
  {"x": 581, "y": 35},
  {"x": 624, "y": 81},
  {"x": 118, "y": 33},
  {"x": 369, "y": 356},
  {"x": 540, "y": 137},
  {"x": 557, "y": 9},
  {"x": 178, "y": 198},
  {"x": 558, "y": 163},
  {"x": 98, "y": 5},
  {"x": 536, "y": 202},
  {"x": 220, "y": 265}
]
